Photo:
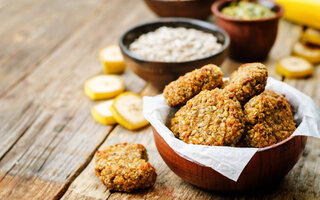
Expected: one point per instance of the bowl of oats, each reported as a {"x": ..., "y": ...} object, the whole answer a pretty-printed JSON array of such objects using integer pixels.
[{"x": 160, "y": 51}]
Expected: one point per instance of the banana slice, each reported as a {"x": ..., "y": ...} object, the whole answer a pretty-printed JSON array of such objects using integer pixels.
[
  {"x": 312, "y": 36},
  {"x": 112, "y": 59},
  {"x": 311, "y": 54},
  {"x": 127, "y": 110},
  {"x": 102, "y": 114},
  {"x": 294, "y": 67},
  {"x": 103, "y": 87}
]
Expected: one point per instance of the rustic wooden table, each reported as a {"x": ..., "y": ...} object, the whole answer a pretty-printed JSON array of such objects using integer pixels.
[{"x": 47, "y": 135}]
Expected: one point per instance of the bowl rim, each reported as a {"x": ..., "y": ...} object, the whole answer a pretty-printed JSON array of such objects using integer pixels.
[
  {"x": 195, "y": 22},
  {"x": 216, "y": 7}
]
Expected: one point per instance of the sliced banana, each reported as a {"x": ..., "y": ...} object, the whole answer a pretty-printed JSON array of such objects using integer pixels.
[
  {"x": 102, "y": 114},
  {"x": 103, "y": 87},
  {"x": 127, "y": 110},
  {"x": 311, "y": 54},
  {"x": 294, "y": 67},
  {"x": 112, "y": 59},
  {"x": 312, "y": 36}
]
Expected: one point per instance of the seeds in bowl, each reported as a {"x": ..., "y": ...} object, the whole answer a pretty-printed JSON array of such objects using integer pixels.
[{"x": 168, "y": 44}]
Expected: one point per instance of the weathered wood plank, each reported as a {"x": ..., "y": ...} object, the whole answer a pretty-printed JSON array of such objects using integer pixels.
[
  {"x": 58, "y": 136},
  {"x": 309, "y": 85},
  {"x": 49, "y": 137},
  {"x": 32, "y": 30},
  {"x": 48, "y": 188}
]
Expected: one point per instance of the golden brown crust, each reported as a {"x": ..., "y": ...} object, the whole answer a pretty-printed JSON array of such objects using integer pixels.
[
  {"x": 224, "y": 84},
  {"x": 216, "y": 117},
  {"x": 178, "y": 92},
  {"x": 249, "y": 80},
  {"x": 269, "y": 119},
  {"x": 124, "y": 167},
  {"x": 210, "y": 118}
]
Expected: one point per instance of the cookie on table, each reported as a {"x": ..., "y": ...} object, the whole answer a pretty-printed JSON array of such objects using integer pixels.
[
  {"x": 178, "y": 92},
  {"x": 269, "y": 119},
  {"x": 213, "y": 117},
  {"x": 124, "y": 167},
  {"x": 247, "y": 81}
]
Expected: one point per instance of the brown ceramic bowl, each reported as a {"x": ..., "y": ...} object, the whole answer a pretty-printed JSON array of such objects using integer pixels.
[
  {"x": 160, "y": 74},
  {"x": 268, "y": 166},
  {"x": 198, "y": 9},
  {"x": 251, "y": 40}
]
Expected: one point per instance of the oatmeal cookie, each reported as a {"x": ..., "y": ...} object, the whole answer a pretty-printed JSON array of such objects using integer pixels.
[
  {"x": 178, "y": 92},
  {"x": 124, "y": 167},
  {"x": 249, "y": 80},
  {"x": 212, "y": 117},
  {"x": 269, "y": 119}
]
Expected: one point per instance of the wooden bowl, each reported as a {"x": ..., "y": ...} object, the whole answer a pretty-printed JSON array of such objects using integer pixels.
[
  {"x": 268, "y": 166},
  {"x": 251, "y": 40},
  {"x": 198, "y": 9},
  {"x": 160, "y": 74}
]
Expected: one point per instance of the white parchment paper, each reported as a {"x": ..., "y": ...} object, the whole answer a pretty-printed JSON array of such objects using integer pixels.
[{"x": 230, "y": 161}]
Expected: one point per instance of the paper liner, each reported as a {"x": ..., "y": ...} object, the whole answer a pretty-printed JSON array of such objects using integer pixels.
[{"x": 230, "y": 161}]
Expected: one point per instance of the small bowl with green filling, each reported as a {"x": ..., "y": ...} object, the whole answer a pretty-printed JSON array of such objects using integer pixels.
[{"x": 251, "y": 25}]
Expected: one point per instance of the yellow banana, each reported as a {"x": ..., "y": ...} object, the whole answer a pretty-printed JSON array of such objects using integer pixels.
[
  {"x": 127, "y": 111},
  {"x": 103, "y": 87},
  {"x": 312, "y": 36},
  {"x": 102, "y": 114},
  {"x": 112, "y": 59},
  {"x": 305, "y": 12},
  {"x": 294, "y": 67}
]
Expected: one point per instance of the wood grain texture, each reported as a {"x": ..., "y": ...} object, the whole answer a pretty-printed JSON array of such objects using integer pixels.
[
  {"x": 37, "y": 188},
  {"x": 309, "y": 85},
  {"x": 47, "y": 133},
  {"x": 48, "y": 138},
  {"x": 32, "y": 30}
]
